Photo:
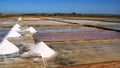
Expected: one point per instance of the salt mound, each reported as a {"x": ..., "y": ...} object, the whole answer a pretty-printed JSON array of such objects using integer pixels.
[
  {"x": 31, "y": 30},
  {"x": 20, "y": 18},
  {"x": 16, "y": 27},
  {"x": 13, "y": 33},
  {"x": 43, "y": 50},
  {"x": 7, "y": 47}
]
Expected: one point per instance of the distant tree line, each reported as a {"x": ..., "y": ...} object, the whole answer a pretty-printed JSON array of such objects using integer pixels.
[
  {"x": 73, "y": 14},
  {"x": 9, "y": 15}
]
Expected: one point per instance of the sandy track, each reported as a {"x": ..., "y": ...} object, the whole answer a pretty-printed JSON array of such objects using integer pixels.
[{"x": 97, "y": 65}]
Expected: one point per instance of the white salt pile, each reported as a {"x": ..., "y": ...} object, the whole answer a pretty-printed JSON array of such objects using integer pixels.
[
  {"x": 31, "y": 30},
  {"x": 13, "y": 33},
  {"x": 7, "y": 47},
  {"x": 42, "y": 49}
]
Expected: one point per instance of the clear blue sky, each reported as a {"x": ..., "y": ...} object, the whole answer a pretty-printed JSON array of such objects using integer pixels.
[{"x": 60, "y": 6}]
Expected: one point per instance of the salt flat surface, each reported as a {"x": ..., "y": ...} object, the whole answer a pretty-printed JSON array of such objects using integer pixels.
[
  {"x": 84, "y": 22},
  {"x": 74, "y": 36},
  {"x": 114, "y": 27},
  {"x": 67, "y": 29},
  {"x": 44, "y": 22},
  {"x": 84, "y": 52},
  {"x": 8, "y": 22}
]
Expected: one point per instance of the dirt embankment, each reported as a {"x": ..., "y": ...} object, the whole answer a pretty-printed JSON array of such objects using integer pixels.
[{"x": 114, "y": 64}]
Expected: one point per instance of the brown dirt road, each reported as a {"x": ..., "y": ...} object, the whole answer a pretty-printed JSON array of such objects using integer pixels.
[{"x": 114, "y": 64}]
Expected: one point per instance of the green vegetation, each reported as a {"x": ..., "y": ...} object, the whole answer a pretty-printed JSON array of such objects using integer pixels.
[
  {"x": 61, "y": 15},
  {"x": 9, "y": 15}
]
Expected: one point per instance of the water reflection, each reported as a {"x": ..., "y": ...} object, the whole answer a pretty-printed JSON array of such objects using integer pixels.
[{"x": 3, "y": 33}]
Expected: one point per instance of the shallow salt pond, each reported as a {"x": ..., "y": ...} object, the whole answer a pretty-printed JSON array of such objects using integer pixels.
[{"x": 66, "y": 29}]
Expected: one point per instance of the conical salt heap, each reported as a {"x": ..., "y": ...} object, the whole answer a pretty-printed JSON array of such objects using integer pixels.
[
  {"x": 7, "y": 47},
  {"x": 43, "y": 50},
  {"x": 16, "y": 27},
  {"x": 20, "y": 18},
  {"x": 13, "y": 32},
  {"x": 31, "y": 30}
]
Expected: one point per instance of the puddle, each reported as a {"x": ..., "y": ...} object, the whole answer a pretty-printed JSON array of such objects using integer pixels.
[
  {"x": 3, "y": 33},
  {"x": 112, "y": 20},
  {"x": 75, "y": 36},
  {"x": 109, "y": 27}
]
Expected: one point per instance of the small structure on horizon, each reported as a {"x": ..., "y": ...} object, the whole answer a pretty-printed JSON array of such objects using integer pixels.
[{"x": 7, "y": 47}]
